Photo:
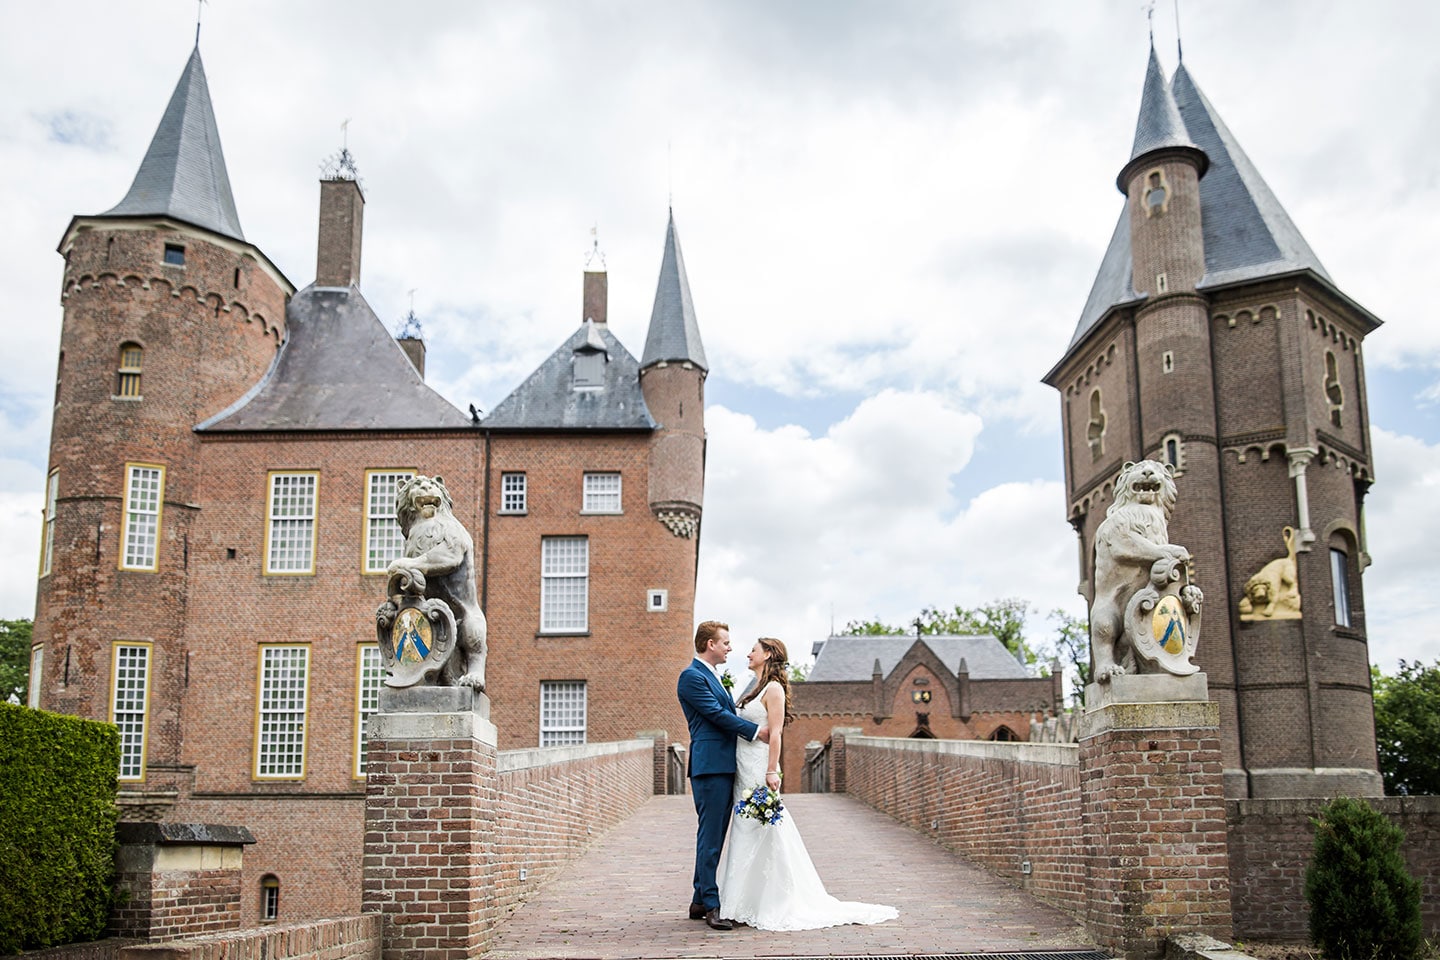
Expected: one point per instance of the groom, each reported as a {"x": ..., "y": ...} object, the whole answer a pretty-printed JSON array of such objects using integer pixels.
[{"x": 714, "y": 726}]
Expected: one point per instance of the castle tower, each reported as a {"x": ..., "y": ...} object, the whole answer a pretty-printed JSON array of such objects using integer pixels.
[
  {"x": 1215, "y": 341},
  {"x": 169, "y": 315},
  {"x": 672, "y": 375}
]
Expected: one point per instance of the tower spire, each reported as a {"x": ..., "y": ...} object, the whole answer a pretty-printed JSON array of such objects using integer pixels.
[
  {"x": 1158, "y": 127},
  {"x": 674, "y": 334},
  {"x": 183, "y": 174}
]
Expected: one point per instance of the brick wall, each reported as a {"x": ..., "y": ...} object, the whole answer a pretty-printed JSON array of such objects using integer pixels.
[
  {"x": 553, "y": 802},
  {"x": 1270, "y": 846},
  {"x": 343, "y": 938},
  {"x": 999, "y": 804}
]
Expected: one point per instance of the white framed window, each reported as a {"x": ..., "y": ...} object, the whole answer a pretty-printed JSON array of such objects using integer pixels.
[
  {"x": 269, "y": 898},
  {"x": 383, "y": 540},
  {"x": 129, "y": 698},
  {"x": 564, "y": 584},
  {"x": 512, "y": 493},
  {"x": 47, "y": 541},
  {"x": 589, "y": 370},
  {"x": 368, "y": 675},
  {"x": 657, "y": 600},
  {"x": 280, "y": 718},
  {"x": 602, "y": 493},
  {"x": 144, "y": 496},
  {"x": 37, "y": 676},
  {"x": 290, "y": 539},
  {"x": 562, "y": 712},
  {"x": 1340, "y": 586}
]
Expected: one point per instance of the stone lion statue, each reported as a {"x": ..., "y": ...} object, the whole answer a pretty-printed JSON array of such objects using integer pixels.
[
  {"x": 1274, "y": 592},
  {"x": 439, "y": 563},
  {"x": 1133, "y": 538}
]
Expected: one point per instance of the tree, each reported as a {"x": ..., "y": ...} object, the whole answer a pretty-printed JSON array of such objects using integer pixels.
[
  {"x": 800, "y": 672},
  {"x": 1407, "y": 728},
  {"x": 1364, "y": 905},
  {"x": 1072, "y": 648},
  {"x": 1004, "y": 619},
  {"x": 14, "y": 659}
]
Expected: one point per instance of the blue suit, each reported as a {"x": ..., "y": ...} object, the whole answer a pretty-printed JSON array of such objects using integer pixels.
[{"x": 714, "y": 725}]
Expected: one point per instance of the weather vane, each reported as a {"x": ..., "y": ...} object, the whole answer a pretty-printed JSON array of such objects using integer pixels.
[
  {"x": 595, "y": 252},
  {"x": 1149, "y": 8},
  {"x": 341, "y": 166},
  {"x": 199, "y": 6},
  {"x": 410, "y": 329}
]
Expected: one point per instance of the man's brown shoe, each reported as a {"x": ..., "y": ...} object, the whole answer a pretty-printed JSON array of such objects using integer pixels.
[
  {"x": 717, "y": 922},
  {"x": 697, "y": 911}
]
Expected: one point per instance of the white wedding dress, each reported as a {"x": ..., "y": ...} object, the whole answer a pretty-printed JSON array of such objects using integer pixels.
[{"x": 766, "y": 878}]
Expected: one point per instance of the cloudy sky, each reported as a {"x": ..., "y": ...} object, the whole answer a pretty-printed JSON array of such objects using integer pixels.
[{"x": 891, "y": 214}]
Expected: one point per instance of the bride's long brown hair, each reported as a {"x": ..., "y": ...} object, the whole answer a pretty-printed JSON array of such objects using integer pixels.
[{"x": 776, "y": 668}]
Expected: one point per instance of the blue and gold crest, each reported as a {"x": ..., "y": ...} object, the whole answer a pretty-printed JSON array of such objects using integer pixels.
[
  {"x": 416, "y": 636},
  {"x": 1163, "y": 619}
]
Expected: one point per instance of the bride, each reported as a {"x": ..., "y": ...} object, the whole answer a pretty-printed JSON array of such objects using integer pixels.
[{"x": 766, "y": 878}]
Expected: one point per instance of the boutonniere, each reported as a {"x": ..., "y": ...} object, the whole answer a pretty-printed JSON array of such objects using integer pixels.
[{"x": 727, "y": 681}]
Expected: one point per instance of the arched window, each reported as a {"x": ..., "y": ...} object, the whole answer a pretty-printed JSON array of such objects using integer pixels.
[
  {"x": 1340, "y": 585},
  {"x": 1095, "y": 430},
  {"x": 269, "y": 898},
  {"x": 1334, "y": 393},
  {"x": 1003, "y": 733},
  {"x": 1156, "y": 193},
  {"x": 1172, "y": 452},
  {"x": 131, "y": 357}
]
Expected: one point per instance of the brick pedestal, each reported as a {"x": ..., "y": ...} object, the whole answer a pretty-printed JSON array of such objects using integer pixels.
[
  {"x": 177, "y": 879},
  {"x": 1153, "y": 806},
  {"x": 430, "y": 808}
]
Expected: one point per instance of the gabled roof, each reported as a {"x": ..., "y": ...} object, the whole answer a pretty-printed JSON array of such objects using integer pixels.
[
  {"x": 548, "y": 399},
  {"x": 183, "y": 174},
  {"x": 339, "y": 369},
  {"x": 1247, "y": 233},
  {"x": 852, "y": 658},
  {"x": 674, "y": 334}
]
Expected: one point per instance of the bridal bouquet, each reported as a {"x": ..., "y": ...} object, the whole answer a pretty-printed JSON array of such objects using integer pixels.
[{"x": 761, "y": 803}]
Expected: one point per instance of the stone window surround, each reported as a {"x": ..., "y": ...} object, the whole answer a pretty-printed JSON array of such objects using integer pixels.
[
  {"x": 514, "y": 492},
  {"x": 596, "y": 497}
]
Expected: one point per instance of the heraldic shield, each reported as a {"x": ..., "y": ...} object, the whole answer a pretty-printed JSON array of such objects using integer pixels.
[
  {"x": 416, "y": 637},
  {"x": 1163, "y": 620}
]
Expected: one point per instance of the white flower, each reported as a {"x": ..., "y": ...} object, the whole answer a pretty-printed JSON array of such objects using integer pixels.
[{"x": 746, "y": 794}]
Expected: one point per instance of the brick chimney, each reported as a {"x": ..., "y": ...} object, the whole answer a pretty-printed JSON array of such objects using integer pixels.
[
  {"x": 414, "y": 348},
  {"x": 596, "y": 284},
  {"x": 342, "y": 215}
]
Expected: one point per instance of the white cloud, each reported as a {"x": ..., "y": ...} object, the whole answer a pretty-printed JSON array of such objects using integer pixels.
[
  {"x": 862, "y": 522},
  {"x": 1402, "y": 526}
]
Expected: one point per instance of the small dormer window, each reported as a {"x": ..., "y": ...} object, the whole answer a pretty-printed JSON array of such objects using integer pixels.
[
  {"x": 589, "y": 370},
  {"x": 175, "y": 254}
]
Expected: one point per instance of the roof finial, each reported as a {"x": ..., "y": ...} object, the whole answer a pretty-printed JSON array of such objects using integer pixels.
[
  {"x": 410, "y": 329},
  {"x": 595, "y": 252},
  {"x": 1150, "y": 17},
  {"x": 199, "y": 6},
  {"x": 669, "y": 176},
  {"x": 1179, "y": 50}
]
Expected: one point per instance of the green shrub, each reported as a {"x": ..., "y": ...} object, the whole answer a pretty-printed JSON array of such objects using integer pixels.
[
  {"x": 1364, "y": 905},
  {"x": 57, "y": 827}
]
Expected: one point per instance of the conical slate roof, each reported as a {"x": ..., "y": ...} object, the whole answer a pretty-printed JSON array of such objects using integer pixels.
[
  {"x": 183, "y": 174},
  {"x": 674, "y": 334},
  {"x": 339, "y": 369},
  {"x": 1247, "y": 233},
  {"x": 1158, "y": 127},
  {"x": 549, "y": 400}
]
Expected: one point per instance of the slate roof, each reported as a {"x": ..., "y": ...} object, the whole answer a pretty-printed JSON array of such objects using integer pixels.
[
  {"x": 1159, "y": 126},
  {"x": 183, "y": 174},
  {"x": 548, "y": 400},
  {"x": 674, "y": 334},
  {"x": 853, "y": 658},
  {"x": 1247, "y": 233},
  {"x": 339, "y": 369}
]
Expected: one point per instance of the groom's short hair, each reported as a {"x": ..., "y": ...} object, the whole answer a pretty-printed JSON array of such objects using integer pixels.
[{"x": 706, "y": 632}]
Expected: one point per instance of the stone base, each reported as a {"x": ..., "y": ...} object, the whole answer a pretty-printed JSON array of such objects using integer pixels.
[
  {"x": 1147, "y": 688},
  {"x": 434, "y": 700},
  {"x": 1286, "y": 783},
  {"x": 1168, "y": 716}
]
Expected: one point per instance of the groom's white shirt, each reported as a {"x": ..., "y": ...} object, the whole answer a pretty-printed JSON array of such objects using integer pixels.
[{"x": 707, "y": 666}]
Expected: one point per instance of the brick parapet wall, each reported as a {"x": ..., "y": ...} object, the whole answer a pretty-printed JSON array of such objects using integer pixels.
[
  {"x": 553, "y": 802},
  {"x": 342, "y": 938},
  {"x": 1270, "y": 846},
  {"x": 1002, "y": 805}
]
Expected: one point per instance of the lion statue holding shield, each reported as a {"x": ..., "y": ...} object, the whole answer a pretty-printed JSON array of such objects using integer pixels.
[
  {"x": 439, "y": 564},
  {"x": 1133, "y": 555}
]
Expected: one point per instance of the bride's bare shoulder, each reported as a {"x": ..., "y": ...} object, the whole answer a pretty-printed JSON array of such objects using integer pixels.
[{"x": 772, "y": 690}]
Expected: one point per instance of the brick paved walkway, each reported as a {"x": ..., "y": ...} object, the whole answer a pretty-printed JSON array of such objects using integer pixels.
[{"x": 627, "y": 897}]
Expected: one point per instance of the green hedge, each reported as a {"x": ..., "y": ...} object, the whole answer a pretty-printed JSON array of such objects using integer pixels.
[{"x": 57, "y": 827}]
